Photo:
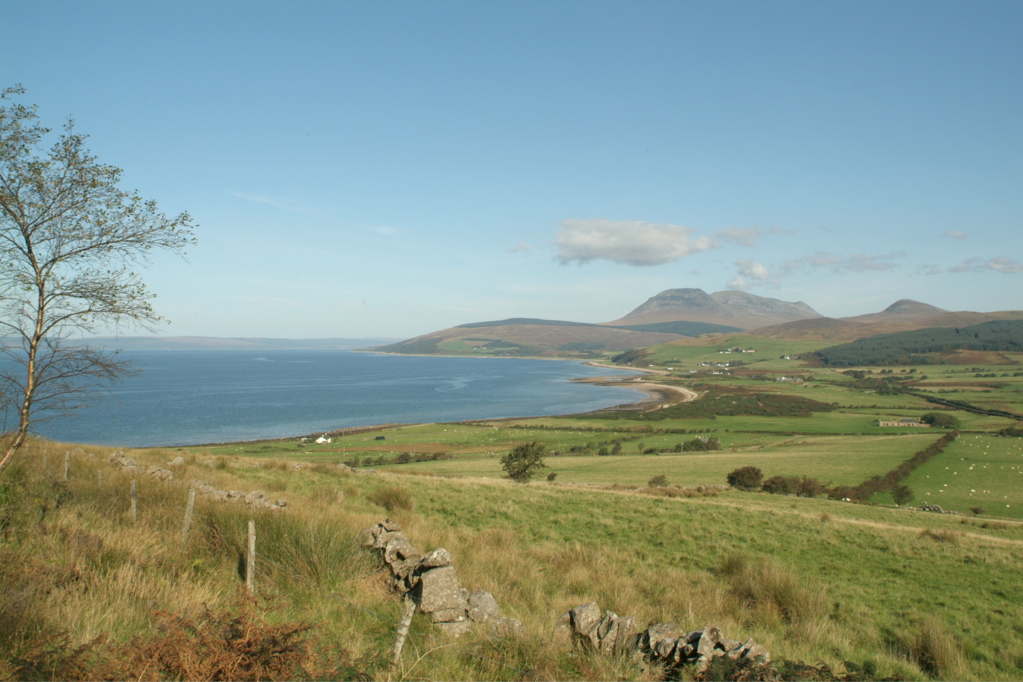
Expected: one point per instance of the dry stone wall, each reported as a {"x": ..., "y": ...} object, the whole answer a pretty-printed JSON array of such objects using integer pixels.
[
  {"x": 431, "y": 581},
  {"x": 255, "y": 498},
  {"x": 664, "y": 643}
]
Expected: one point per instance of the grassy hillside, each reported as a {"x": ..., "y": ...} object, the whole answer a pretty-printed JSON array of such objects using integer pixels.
[
  {"x": 88, "y": 592},
  {"x": 851, "y": 582}
]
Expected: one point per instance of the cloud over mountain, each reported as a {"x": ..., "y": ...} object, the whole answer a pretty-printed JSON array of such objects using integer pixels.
[{"x": 632, "y": 242}]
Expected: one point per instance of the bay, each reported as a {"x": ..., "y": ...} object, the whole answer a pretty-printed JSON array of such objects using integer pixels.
[{"x": 212, "y": 396}]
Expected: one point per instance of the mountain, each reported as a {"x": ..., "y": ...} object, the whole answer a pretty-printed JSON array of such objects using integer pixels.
[
  {"x": 903, "y": 310},
  {"x": 679, "y": 316},
  {"x": 733, "y": 308}
]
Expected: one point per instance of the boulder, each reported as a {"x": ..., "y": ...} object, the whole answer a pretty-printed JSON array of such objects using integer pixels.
[
  {"x": 483, "y": 607},
  {"x": 437, "y": 589},
  {"x": 436, "y": 559}
]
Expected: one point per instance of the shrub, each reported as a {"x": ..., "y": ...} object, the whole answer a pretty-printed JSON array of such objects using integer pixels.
[
  {"x": 524, "y": 461},
  {"x": 746, "y": 478},
  {"x": 977, "y": 511},
  {"x": 902, "y": 494},
  {"x": 658, "y": 481},
  {"x": 551, "y": 476},
  {"x": 940, "y": 420},
  {"x": 781, "y": 485}
]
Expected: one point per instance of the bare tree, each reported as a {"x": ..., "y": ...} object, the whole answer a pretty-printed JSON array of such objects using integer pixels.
[{"x": 69, "y": 240}]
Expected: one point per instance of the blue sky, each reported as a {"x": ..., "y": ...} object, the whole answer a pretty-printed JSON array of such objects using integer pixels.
[{"x": 389, "y": 169}]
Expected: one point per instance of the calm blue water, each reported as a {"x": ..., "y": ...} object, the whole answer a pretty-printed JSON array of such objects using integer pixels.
[{"x": 193, "y": 397}]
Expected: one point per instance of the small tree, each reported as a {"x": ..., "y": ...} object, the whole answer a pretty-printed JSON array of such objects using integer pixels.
[
  {"x": 69, "y": 242},
  {"x": 524, "y": 461},
  {"x": 902, "y": 494},
  {"x": 658, "y": 481},
  {"x": 746, "y": 478}
]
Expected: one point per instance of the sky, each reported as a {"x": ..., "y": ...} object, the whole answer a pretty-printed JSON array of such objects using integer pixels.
[{"x": 388, "y": 169}]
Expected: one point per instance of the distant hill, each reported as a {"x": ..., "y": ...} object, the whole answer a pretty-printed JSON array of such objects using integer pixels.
[
  {"x": 923, "y": 346},
  {"x": 737, "y": 309},
  {"x": 902, "y": 310},
  {"x": 682, "y": 316},
  {"x": 886, "y": 322},
  {"x": 508, "y": 339}
]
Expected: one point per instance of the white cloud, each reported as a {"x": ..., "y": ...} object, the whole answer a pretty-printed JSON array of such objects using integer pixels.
[
  {"x": 744, "y": 236},
  {"x": 860, "y": 262},
  {"x": 955, "y": 234},
  {"x": 1001, "y": 264},
  {"x": 632, "y": 242},
  {"x": 519, "y": 247},
  {"x": 749, "y": 270}
]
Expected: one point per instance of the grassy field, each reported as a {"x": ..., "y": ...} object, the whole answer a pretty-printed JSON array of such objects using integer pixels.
[
  {"x": 841, "y": 460},
  {"x": 87, "y": 593},
  {"x": 977, "y": 471},
  {"x": 863, "y": 582}
]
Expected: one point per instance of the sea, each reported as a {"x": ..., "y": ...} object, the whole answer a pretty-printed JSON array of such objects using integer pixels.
[{"x": 192, "y": 397}]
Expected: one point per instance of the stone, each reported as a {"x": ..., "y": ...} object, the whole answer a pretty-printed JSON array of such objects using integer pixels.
[
  {"x": 627, "y": 636},
  {"x": 438, "y": 558},
  {"x": 709, "y": 637},
  {"x": 661, "y": 640},
  {"x": 508, "y": 627},
  {"x": 563, "y": 628},
  {"x": 585, "y": 619},
  {"x": 398, "y": 548},
  {"x": 448, "y": 616},
  {"x": 758, "y": 652},
  {"x": 389, "y": 525},
  {"x": 483, "y": 607},
  {"x": 607, "y": 632},
  {"x": 256, "y": 497},
  {"x": 160, "y": 473},
  {"x": 437, "y": 589}
]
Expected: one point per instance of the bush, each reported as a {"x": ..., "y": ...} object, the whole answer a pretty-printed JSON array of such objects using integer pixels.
[
  {"x": 551, "y": 476},
  {"x": 940, "y": 420},
  {"x": 746, "y": 478},
  {"x": 902, "y": 494},
  {"x": 781, "y": 485},
  {"x": 524, "y": 461},
  {"x": 658, "y": 481}
]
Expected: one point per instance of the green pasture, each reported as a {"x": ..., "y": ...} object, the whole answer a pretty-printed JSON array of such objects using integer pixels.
[
  {"x": 977, "y": 470},
  {"x": 880, "y": 578},
  {"x": 843, "y": 460},
  {"x": 767, "y": 351}
]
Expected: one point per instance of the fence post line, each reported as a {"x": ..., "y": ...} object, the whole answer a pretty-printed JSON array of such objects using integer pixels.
[
  {"x": 188, "y": 514},
  {"x": 250, "y": 563},
  {"x": 46, "y": 459},
  {"x": 67, "y": 464},
  {"x": 134, "y": 503}
]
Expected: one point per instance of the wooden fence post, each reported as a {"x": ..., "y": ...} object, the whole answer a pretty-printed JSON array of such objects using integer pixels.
[
  {"x": 134, "y": 503},
  {"x": 250, "y": 563},
  {"x": 67, "y": 464},
  {"x": 408, "y": 609},
  {"x": 188, "y": 514}
]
